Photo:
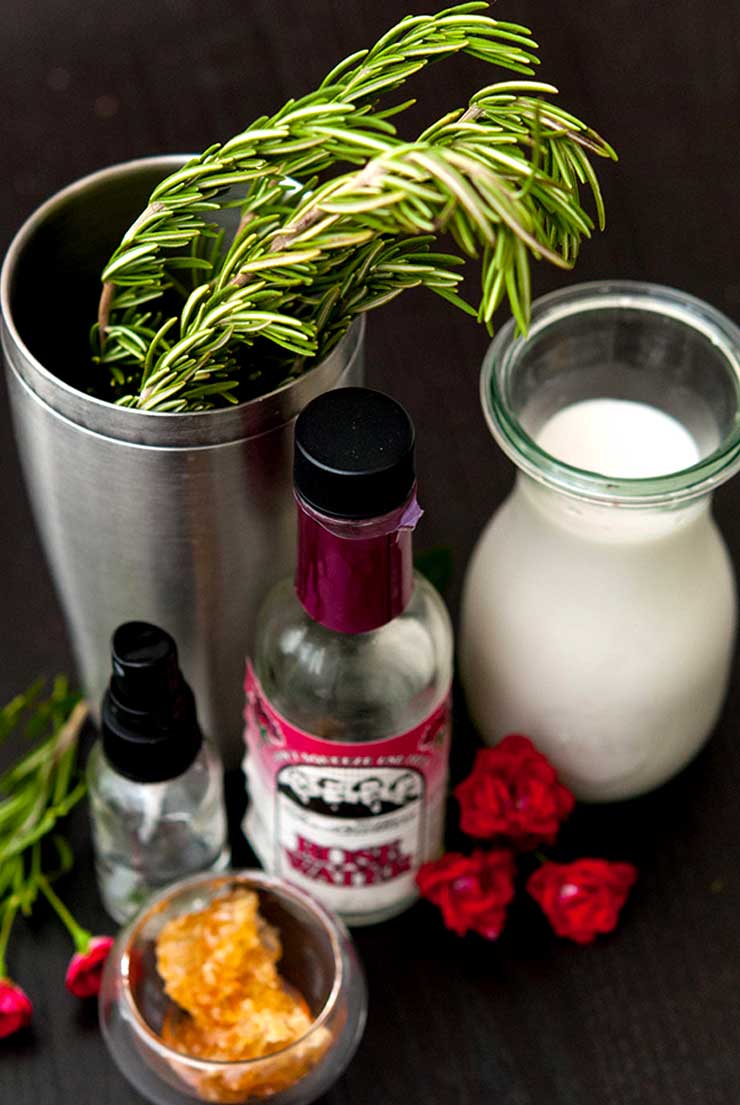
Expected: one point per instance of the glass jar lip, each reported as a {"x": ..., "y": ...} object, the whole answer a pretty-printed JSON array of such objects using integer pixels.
[
  {"x": 676, "y": 487},
  {"x": 253, "y": 879}
]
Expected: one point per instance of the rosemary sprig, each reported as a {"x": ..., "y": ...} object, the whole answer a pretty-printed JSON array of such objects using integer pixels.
[
  {"x": 36, "y": 792},
  {"x": 186, "y": 317}
]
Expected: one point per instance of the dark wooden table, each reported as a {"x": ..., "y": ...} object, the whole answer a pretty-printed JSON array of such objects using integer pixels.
[{"x": 650, "y": 1015}]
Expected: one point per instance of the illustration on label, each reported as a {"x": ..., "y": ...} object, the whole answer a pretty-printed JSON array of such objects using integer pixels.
[{"x": 350, "y": 823}]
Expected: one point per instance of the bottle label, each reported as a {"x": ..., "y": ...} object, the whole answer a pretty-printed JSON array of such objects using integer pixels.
[{"x": 349, "y": 823}]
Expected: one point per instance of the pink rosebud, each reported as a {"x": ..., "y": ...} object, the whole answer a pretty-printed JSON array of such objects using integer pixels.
[
  {"x": 583, "y": 898},
  {"x": 85, "y": 968},
  {"x": 15, "y": 1008},
  {"x": 471, "y": 891},
  {"x": 513, "y": 795}
]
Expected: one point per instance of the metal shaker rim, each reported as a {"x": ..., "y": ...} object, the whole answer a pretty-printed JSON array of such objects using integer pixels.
[{"x": 152, "y": 428}]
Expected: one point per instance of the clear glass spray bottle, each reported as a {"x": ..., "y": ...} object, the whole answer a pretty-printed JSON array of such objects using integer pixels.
[
  {"x": 348, "y": 718},
  {"x": 155, "y": 784}
]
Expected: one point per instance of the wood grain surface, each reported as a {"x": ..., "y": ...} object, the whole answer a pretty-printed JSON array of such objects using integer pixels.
[{"x": 651, "y": 1015}]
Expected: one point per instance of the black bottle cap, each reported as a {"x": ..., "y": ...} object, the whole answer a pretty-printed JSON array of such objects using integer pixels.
[
  {"x": 149, "y": 723},
  {"x": 354, "y": 454}
]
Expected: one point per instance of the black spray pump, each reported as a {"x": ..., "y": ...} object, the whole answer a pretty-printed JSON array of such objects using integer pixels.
[{"x": 149, "y": 722}]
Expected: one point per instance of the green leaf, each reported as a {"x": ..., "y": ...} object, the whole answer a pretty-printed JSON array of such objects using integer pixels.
[
  {"x": 436, "y": 565},
  {"x": 41, "y": 787}
]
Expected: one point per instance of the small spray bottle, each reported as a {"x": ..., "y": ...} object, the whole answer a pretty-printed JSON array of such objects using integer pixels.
[{"x": 155, "y": 783}]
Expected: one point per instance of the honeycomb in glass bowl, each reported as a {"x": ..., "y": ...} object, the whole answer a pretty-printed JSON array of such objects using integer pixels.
[{"x": 219, "y": 965}]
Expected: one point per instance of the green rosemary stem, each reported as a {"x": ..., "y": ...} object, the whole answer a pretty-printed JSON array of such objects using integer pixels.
[
  {"x": 185, "y": 315},
  {"x": 80, "y": 936},
  {"x": 36, "y": 792},
  {"x": 11, "y": 908}
]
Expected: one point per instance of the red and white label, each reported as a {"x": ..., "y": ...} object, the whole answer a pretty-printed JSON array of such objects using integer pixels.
[{"x": 349, "y": 823}]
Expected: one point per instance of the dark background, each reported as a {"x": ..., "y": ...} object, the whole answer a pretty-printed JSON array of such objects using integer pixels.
[{"x": 650, "y": 1015}]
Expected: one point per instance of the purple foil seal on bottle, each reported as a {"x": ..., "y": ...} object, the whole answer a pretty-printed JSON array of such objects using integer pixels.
[{"x": 354, "y": 576}]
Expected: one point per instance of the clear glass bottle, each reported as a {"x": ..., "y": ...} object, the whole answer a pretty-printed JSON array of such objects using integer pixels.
[
  {"x": 599, "y": 608},
  {"x": 155, "y": 784},
  {"x": 348, "y": 690}
]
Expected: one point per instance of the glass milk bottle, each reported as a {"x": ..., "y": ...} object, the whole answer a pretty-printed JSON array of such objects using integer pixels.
[{"x": 599, "y": 608}]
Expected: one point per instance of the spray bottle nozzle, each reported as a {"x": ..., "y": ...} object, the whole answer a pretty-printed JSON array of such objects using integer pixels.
[
  {"x": 146, "y": 674},
  {"x": 149, "y": 723}
]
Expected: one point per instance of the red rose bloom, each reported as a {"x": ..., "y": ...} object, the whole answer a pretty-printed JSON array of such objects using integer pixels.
[
  {"x": 472, "y": 891},
  {"x": 85, "y": 969},
  {"x": 513, "y": 794},
  {"x": 583, "y": 898},
  {"x": 15, "y": 1008}
]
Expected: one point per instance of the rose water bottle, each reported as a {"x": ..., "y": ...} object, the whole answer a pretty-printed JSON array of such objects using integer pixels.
[
  {"x": 155, "y": 784},
  {"x": 348, "y": 694}
]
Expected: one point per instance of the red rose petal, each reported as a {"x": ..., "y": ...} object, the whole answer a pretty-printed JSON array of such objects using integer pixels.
[
  {"x": 582, "y": 899},
  {"x": 85, "y": 970},
  {"x": 471, "y": 891},
  {"x": 513, "y": 795},
  {"x": 15, "y": 1008}
]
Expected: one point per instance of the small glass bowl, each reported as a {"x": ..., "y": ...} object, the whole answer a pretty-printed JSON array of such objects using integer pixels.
[{"x": 318, "y": 959}]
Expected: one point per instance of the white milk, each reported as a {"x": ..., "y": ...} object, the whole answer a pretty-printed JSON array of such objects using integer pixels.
[
  {"x": 603, "y": 632},
  {"x": 616, "y": 437}
]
